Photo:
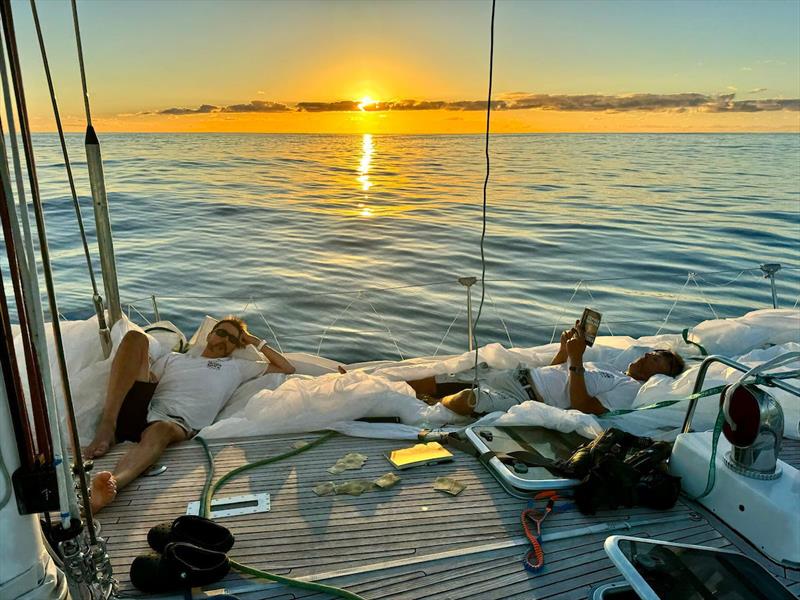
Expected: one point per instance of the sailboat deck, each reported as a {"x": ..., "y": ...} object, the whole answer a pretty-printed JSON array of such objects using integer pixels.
[{"x": 406, "y": 542}]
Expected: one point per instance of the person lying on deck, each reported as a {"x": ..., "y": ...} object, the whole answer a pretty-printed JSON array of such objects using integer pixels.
[
  {"x": 159, "y": 404},
  {"x": 566, "y": 383}
]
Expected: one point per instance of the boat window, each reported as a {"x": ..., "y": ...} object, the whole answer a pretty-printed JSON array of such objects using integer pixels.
[{"x": 680, "y": 573}]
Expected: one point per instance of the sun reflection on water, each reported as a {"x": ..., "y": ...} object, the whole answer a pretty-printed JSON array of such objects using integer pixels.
[{"x": 367, "y": 150}]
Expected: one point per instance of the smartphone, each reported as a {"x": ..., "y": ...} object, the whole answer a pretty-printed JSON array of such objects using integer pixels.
[{"x": 590, "y": 324}]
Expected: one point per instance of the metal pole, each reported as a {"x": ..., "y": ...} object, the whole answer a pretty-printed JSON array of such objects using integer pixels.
[
  {"x": 94, "y": 161},
  {"x": 105, "y": 333},
  {"x": 769, "y": 270},
  {"x": 155, "y": 308},
  {"x": 102, "y": 220},
  {"x": 468, "y": 282}
]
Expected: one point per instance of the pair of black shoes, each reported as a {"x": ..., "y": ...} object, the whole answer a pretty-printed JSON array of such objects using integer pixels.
[{"x": 189, "y": 552}]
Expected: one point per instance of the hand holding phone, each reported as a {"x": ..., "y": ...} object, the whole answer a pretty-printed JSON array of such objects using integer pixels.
[{"x": 590, "y": 325}]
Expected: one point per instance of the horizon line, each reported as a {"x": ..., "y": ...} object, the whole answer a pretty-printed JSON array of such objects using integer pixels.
[{"x": 481, "y": 133}]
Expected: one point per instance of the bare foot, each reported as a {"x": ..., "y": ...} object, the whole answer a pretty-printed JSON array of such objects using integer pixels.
[
  {"x": 102, "y": 442},
  {"x": 342, "y": 370},
  {"x": 104, "y": 490},
  {"x": 462, "y": 403}
]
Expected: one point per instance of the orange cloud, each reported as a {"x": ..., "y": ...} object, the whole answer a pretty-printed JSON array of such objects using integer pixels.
[{"x": 443, "y": 121}]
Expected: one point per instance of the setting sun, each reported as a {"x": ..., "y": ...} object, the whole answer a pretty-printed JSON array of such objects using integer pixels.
[{"x": 366, "y": 101}]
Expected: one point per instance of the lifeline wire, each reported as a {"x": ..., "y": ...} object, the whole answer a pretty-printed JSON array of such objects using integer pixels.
[{"x": 485, "y": 186}]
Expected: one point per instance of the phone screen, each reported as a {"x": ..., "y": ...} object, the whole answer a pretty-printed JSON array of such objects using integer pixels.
[{"x": 590, "y": 323}]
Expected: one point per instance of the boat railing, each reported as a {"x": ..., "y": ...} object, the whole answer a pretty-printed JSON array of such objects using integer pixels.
[{"x": 697, "y": 289}]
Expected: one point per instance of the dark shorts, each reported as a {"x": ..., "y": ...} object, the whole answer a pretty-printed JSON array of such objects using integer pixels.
[{"x": 132, "y": 418}]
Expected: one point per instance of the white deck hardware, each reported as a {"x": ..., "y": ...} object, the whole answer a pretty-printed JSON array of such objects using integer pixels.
[
  {"x": 763, "y": 511},
  {"x": 232, "y": 506}
]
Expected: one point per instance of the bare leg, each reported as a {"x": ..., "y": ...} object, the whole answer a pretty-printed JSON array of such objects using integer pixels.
[
  {"x": 155, "y": 439},
  {"x": 130, "y": 364},
  {"x": 461, "y": 403}
]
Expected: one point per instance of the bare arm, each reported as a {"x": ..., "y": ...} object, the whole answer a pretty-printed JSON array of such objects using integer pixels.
[
  {"x": 579, "y": 398},
  {"x": 561, "y": 356},
  {"x": 277, "y": 362}
]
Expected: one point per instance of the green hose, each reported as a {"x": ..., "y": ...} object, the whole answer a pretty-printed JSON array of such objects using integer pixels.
[{"x": 205, "y": 508}]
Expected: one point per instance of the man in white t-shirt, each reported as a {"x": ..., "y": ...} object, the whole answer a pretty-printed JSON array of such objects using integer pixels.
[
  {"x": 567, "y": 382},
  {"x": 168, "y": 401}
]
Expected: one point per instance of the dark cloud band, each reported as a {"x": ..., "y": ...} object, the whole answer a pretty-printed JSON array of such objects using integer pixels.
[{"x": 518, "y": 101}]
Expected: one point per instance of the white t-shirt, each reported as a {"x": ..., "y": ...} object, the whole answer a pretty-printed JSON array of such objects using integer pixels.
[
  {"x": 614, "y": 390},
  {"x": 193, "y": 389}
]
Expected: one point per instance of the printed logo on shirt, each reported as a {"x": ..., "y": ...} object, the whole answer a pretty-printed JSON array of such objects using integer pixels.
[
  {"x": 605, "y": 374},
  {"x": 214, "y": 364}
]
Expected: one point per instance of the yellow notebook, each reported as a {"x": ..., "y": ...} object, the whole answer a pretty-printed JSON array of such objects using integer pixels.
[{"x": 419, "y": 454}]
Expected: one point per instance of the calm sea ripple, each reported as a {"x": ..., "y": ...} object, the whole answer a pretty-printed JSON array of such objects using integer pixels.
[{"x": 352, "y": 245}]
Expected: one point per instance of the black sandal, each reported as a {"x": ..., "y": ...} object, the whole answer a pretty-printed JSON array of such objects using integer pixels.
[
  {"x": 180, "y": 566},
  {"x": 191, "y": 529}
]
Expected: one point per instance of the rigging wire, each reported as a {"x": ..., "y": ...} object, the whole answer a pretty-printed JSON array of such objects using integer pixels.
[
  {"x": 67, "y": 164},
  {"x": 22, "y": 111},
  {"x": 388, "y": 329},
  {"x": 500, "y": 318},
  {"x": 674, "y": 304},
  {"x": 18, "y": 178},
  {"x": 703, "y": 295},
  {"x": 7, "y": 485},
  {"x": 35, "y": 385},
  {"x": 325, "y": 331},
  {"x": 31, "y": 290},
  {"x": 271, "y": 330},
  {"x": 373, "y": 290},
  {"x": 13, "y": 385},
  {"x": 24, "y": 306},
  {"x": 446, "y": 333},
  {"x": 485, "y": 187},
  {"x": 80, "y": 61},
  {"x": 94, "y": 163}
]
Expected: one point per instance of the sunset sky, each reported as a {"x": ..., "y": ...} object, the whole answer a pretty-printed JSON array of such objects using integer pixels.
[{"x": 419, "y": 67}]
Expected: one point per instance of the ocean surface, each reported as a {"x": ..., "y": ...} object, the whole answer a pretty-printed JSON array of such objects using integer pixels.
[{"x": 351, "y": 245}]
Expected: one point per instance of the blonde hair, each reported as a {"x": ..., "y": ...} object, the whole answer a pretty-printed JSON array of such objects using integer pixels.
[{"x": 240, "y": 325}]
